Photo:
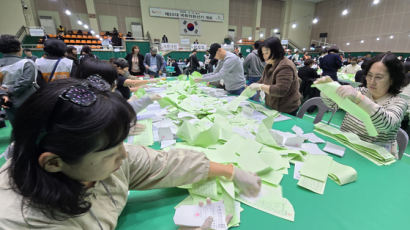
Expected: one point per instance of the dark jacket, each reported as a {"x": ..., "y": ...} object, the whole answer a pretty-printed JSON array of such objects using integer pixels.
[
  {"x": 330, "y": 64},
  {"x": 193, "y": 62},
  {"x": 140, "y": 63},
  {"x": 308, "y": 76},
  {"x": 160, "y": 61},
  {"x": 284, "y": 93}
]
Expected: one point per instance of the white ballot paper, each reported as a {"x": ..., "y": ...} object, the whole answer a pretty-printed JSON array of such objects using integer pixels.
[
  {"x": 334, "y": 149},
  {"x": 195, "y": 216}
]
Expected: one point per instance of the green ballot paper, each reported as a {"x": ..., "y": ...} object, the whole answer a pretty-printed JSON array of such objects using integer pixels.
[{"x": 329, "y": 89}]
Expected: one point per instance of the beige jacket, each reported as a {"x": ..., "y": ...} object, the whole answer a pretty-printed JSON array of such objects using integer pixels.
[{"x": 145, "y": 168}]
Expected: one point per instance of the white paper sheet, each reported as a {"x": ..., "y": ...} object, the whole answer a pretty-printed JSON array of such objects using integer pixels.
[
  {"x": 296, "y": 173},
  {"x": 194, "y": 215},
  {"x": 165, "y": 134},
  {"x": 167, "y": 143},
  {"x": 334, "y": 149},
  {"x": 281, "y": 118},
  {"x": 313, "y": 138},
  {"x": 298, "y": 130}
]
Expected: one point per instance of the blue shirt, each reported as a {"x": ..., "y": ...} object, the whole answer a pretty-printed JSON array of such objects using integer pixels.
[{"x": 153, "y": 64}]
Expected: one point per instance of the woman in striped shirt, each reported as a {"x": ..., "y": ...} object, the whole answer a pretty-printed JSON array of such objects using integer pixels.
[{"x": 379, "y": 98}]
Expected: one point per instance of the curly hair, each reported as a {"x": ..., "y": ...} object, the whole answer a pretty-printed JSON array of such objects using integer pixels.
[{"x": 9, "y": 44}]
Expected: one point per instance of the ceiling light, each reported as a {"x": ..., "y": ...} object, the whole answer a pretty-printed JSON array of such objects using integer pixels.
[
  {"x": 249, "y": 38},
  {"x": 276, "y": 31},
  {"x": 378, "y": 39},
  {"x": 97, "y": 36},
  {"x": 294, "y": 25},
  {"x": 261, "y": 35},
  {"x": 375, "y": 2},
  {"x": 348, "y": 43},
  {"x": 79, "y": 22},
  {"x": 345, "y": 12},
  {"x": 85, "y": 26},
  {"x": 67, "y": 12},
  {"x": 315, "y": 20},
  {"x": 240, "y": 41},
  {"x": 362, "y": 41},
  {"x": 92, "y": 32},
  {"x": 391, "y": 37}
]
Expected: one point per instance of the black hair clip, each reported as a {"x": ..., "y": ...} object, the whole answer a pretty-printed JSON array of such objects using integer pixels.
[
  {"x": 79, "y": 95},
  {"x": 97, "y": 82}
]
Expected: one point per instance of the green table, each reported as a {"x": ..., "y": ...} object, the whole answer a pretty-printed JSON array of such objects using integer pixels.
[{"x": 379, "y": 199}]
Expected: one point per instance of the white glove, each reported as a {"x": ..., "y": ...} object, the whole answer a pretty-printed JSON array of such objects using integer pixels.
[
  {"x": 256, "y": 86},
  {"x": 248, "y": 183},
  {"x": 324, "y": 79},
  {"x": 347, "y": 91},
  {"x": 155, "y": 97}
]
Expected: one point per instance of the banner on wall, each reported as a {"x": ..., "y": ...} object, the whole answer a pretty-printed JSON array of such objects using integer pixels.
[
  {"x": 185, "y": 14},
  {"x": 189, "y": 27}
]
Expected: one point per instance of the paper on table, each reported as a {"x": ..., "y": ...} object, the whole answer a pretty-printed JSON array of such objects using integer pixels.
[
  {"x": 296, "y": 173},
  {"x": 334, "y": 149},
  {"x": 282, "y": 118},
  {"x": 206, "y": 188},
  {"x": 167, "y": 143},
  {"x": 314, "y": 172},
  {"x": 195, "y": 216},
  {"x": 228, "y": 186},
  {"x": 342, "y": 174},
  {"x": 313, "y": 138},
  {"x": 146, "y": 137},
  {"x": 298, "y": 130},
  {"x": 165, "y": 134},
  {"x": 294, "y": 141},
  {"x": 272, "y": 202},
  {"x": 329, "y": 89},
  {"x": 310, "y": 148},
  {"x": 263, "y": 135},
  {"x": 272, "y": 177}
]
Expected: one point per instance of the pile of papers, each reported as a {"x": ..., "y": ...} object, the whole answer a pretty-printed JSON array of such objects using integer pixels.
[
  {"x": 372, "y": 152},
  {"x": 231, "y": 130}
]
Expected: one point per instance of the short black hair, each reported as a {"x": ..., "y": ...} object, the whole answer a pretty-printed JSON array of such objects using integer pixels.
[
  {"x": 354, "y": 59},
  {"x": 121, "y": 62},
  {"x": 70, "y": 49},
  {"x": 92, "y": 66},
  {"x": 86, "y": 49},
  {"x": 394, "y": 67},
  {"x": 9, "y": 44},
  {"x": 308, "y": 62},
  {"x": 257, "y": 44},
  {"x": 27, "y": 50},
  {"x": 275, "y": 46},
  {"x": 54, "y": 47}
]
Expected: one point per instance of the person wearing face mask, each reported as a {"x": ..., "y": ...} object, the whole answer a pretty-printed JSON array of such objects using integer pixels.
[
  {"x": 135, "y": 61},
  {"x": 352, "y": 68},
  {"x": 154, "y": 63},
  {"x": 70, "y": 169},
  {"x": 379, "y": 97}
]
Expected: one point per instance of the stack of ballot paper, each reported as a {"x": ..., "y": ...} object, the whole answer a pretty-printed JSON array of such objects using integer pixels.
[
  {"x": 372, "y": 152},
  {"x": 232, "y": 130}
]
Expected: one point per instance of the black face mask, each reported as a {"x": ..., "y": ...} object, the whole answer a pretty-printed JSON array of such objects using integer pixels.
[{"x": 154, "y": 55}]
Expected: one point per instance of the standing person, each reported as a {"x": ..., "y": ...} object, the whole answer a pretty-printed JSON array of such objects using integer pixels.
[
  {"x": 86, "y": 53},
  {"x": 55, "y": 66},
  {"x": 322, "y": 54},
  {"x": 229, "y": 69},
  {"x": 308, "y": 76},
  {"x": 71, "y": 53},
  {"x": 83, "y": 157},
  {"x": 164, "y": 39},
  {"x": 352, "y": 68},
  {"x": 330, "y": 63},
  {"x": 279, "y": 82},
  {"x": 135, "y": 61},
  {"x": 17, "y": 75},
  {"x": 154, "y": 63},
  {"x": 30, "y": 55},
  {"x": 253, "y": 65},
  {"x": 193, "y": 62},
  {"x": 61, "y": 30},
  {"x": 379, "y": 97},
  {"x": 306, "y": 56}
]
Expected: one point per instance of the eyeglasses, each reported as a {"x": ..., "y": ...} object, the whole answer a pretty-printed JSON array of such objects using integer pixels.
[{"x": 375, "y": 78}]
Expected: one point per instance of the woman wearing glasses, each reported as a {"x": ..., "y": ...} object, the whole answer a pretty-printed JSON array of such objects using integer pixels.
[
  {"x": 69, "y": 168},
  {"x": 379, "y": 98}
]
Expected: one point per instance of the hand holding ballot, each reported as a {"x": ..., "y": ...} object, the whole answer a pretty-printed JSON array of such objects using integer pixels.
[
  {"x": 255, "y": 86},
  {"x": 249, "y": 183}
]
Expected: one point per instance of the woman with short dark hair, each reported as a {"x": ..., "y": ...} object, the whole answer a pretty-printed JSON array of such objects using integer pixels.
[
  {"x": 70, "y": 169},
  {"x": 279, "y": 81},
  {"x": 379, "y": 97}
]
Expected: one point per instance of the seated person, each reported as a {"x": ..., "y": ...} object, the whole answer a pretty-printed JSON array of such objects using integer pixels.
[
  {"x": 71, "y": 170},
  {"x": 229, "y": 69},
  {"x": 379, "y": 98},
  {"x": 352, "y": 68}
]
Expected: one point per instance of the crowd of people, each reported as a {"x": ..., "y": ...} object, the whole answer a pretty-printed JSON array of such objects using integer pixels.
[{"x": 70, "y": 117}]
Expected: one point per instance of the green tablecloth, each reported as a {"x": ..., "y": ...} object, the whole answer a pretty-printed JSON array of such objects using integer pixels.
[{"x": 379, "y": 199}]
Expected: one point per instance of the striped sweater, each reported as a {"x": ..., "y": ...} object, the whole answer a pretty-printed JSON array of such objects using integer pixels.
[{"x": 388, "y": 113}]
